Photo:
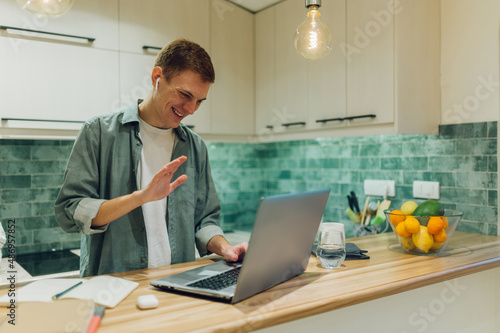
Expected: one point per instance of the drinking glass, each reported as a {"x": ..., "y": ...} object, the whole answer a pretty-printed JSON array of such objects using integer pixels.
[{"x": 330, "y": 248}]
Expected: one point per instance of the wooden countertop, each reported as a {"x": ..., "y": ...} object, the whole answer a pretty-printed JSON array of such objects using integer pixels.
[{"x": 389, "y": 271}]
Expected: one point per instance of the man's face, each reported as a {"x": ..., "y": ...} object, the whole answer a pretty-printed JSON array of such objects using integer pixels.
[{"x": 177, "y": 99}]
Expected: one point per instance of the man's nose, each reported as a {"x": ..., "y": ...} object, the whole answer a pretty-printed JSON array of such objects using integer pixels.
[{"x": 191, "y": 106}]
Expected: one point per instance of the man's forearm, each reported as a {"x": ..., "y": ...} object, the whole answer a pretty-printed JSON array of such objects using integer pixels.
[
  {"x": 113, "y": 209},
  {"x": 218, "y": 245}
]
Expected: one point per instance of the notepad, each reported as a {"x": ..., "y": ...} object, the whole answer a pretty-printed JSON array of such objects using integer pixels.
[
  {"x": 70, "y": 315},
  {"x": 104, "y": 290}
]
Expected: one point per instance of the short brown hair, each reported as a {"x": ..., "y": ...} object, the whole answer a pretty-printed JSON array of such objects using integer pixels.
[{"x": 182, "y": 54}]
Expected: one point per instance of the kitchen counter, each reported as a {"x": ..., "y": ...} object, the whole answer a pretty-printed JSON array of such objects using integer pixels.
[{"x": 316, "y": 296}]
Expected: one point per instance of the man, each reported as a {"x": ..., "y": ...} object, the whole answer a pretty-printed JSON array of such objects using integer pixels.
[{"x": 127, "y": 211}]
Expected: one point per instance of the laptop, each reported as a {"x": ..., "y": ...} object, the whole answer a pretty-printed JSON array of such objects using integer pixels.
[{"x": 279, "y": 249}]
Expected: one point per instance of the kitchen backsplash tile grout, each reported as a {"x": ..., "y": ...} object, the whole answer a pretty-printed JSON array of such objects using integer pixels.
[{"x": 463, "y": 158}]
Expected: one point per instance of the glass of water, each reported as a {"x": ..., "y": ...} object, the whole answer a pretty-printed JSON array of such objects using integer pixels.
[{"x": 330, "y": 248}]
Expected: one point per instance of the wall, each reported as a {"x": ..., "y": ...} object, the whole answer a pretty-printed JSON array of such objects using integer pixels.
[
  {"x": 463, "y": 158},
  {"x": 470, "y": 61}
]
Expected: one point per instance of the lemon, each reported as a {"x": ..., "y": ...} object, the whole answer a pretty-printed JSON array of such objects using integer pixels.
[
  {"x": 437, "y": 245},
  {"x": 407, "y": 242},
  {"x": 423, "y": 240},
  {"x": 408, "y": 207}
]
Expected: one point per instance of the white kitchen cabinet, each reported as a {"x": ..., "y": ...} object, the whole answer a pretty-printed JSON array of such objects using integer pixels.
[
  {"x": 266, "y": 115},
  {"x": 370, "y": 59},
  {"x": 90, "y": 18},
  {"x": 62, "y": 82},
  {"x": 158, "y": 22},
  {"x": 232, "y": 53},
  {"x": 291, "y": 81},
  {"x": 385, "y": 63},
  {"x": 326, "y": 89}
]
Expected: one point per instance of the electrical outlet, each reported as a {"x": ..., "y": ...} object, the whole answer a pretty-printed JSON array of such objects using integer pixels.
[
  {"x": 426, "y": 190},
  {"x": 380, "y": 187}
]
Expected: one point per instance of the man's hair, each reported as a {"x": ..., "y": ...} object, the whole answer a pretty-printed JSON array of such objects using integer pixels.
[{"x": 182, "y": 54}]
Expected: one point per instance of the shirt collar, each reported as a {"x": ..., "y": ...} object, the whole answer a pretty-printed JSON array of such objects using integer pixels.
[{"x": 131, "y": 114}]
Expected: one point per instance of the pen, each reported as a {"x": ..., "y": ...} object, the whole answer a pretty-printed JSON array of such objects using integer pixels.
[
  {"x": 57, "y": 296},
  {"x": 96, "y": 319}
]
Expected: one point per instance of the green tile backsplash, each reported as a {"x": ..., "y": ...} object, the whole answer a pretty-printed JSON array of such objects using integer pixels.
[{"x": 463, "y": 159}]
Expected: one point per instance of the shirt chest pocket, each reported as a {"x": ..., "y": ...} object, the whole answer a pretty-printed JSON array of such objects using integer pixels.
[{"x": 186, "y": 193}]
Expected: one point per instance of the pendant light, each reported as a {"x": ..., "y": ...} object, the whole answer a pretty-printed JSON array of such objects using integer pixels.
[
  {"x": 51, "y": 8},
  {"x": 313, "y": 38}
]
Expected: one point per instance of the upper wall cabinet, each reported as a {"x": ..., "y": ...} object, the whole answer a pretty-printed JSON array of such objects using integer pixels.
[
  {"x": 382, "y": 74},
  {"x": 290, "y": 68},
  {"x": 232, "y": 94},
  {"x": 96, "y": 19},
  {"x": 370, "y": 60},
  {"x": 58, "y": 80},
  {"x": 266, "y": 116},
  {"x": 158, "y": 22},
  {"x": 62, "y": 83},
  {"x": 326, "y": 90}
]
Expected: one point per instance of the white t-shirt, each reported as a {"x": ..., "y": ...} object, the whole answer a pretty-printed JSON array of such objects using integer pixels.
[{"x": 156, "y": 152}]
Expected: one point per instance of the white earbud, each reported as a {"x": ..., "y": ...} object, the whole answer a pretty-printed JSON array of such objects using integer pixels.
[{"x": 156, "y": 87}]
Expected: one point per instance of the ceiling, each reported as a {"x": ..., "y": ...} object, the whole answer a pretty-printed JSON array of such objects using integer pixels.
[{"x": 254, "y": 5}]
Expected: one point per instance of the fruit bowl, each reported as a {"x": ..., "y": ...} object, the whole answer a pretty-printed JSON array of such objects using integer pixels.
[{"x": 424, "y": 235}]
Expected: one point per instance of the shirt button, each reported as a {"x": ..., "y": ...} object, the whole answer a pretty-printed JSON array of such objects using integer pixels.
[
  {"x": 138, "y": 143},
  {"x": 143, "y": 259}
]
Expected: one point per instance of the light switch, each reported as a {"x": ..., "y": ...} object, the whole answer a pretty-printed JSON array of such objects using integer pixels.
[
  {"x": 380, "y": 187},
  {"x": 426, "y": 190}
]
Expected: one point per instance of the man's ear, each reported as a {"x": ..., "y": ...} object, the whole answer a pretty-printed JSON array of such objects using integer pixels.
[{"x": 155, "y": 76}]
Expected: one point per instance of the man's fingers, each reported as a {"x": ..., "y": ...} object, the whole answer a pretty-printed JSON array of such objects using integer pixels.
[
  {"x": 177, "y": 182},
  {"x": 174, "y": 165}
]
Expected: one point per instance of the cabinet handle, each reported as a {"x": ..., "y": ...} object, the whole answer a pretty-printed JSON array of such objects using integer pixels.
[
  {"x": 45, "y": 120},
  {"x": 147, "y": 47},
  {"x": 293, "y": 124},
  {"x": 270, "y": 126},
  {"x": 330, "y": 119},
  {"x": 89, "y": 39},
  {"x": 358, "y": 117},
  {"x": 346, "y": 118}
]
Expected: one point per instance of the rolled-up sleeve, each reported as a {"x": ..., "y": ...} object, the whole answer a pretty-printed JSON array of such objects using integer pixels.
[{"x": 78, "y": 201}]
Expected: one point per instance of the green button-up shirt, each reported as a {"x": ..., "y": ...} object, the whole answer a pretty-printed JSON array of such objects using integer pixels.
[{"x": 103, "y": 166}]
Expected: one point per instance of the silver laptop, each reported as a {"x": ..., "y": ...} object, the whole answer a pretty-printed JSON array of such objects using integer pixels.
[{"x": 279, "y": 249}]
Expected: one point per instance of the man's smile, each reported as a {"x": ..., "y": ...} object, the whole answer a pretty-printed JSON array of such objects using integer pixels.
[{"x": 178, "y": 113}]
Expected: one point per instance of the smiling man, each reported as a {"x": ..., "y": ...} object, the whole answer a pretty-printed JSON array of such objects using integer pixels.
[{"x": 118, "y": 190}]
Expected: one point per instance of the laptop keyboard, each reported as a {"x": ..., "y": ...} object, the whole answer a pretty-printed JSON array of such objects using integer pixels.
[{"x": 219, "y": 281}]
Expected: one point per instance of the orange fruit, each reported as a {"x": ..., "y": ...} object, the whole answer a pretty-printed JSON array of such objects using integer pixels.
[
  {"x": 435, "y": 225},
  {"x": 441, "y": 237},
  {"x": 396, "y": 217},
  {"x": 445, "y": 222},
  {"x": 412, "y": 225},
  {"x": 401, "y": 231}
]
